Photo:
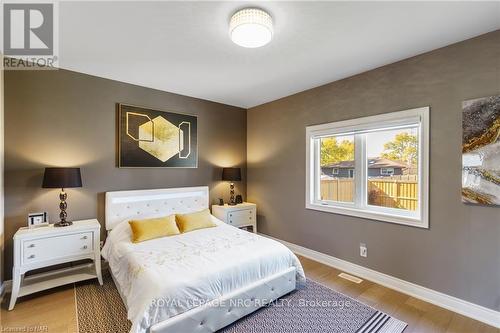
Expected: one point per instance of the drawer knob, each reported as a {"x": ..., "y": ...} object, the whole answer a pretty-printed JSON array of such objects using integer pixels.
[
  {"x": 31, "y": 256},
  {"x": 84, "y": 237},
  {"x": 31, "y": 245},
  {"x": 84, "y": 247},
  {"x": 250, "y": 218},
  {"x": 230, "y": 214},
  {"x": 230, "y": 221}
]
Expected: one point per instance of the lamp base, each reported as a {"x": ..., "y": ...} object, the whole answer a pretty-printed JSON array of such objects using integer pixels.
[
  {"x": 63, "y": 224},
  {"x": 231, "y": 202}
]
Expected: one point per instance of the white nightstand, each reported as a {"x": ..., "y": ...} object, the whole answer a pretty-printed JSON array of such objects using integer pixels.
[
  {"x": 46, "y": 246},
  {"x": 241, "y": 215}
]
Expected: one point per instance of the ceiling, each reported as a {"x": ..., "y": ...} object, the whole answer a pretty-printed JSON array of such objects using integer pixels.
[{"x": 183, "y": 47}]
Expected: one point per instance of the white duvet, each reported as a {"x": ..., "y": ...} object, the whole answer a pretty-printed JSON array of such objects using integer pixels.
[{"x": 164, "y": 277}]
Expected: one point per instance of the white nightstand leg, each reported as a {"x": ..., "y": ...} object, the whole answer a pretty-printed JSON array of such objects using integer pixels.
[
  {"x": 16, "y": 284},
  {"x": 97, "y": 263}
]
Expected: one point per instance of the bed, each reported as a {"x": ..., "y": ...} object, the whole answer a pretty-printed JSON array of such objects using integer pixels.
[{"x": 200, "y": 281}]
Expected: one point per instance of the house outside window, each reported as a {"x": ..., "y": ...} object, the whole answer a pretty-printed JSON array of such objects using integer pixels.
[{"x": 379, "y": 163}]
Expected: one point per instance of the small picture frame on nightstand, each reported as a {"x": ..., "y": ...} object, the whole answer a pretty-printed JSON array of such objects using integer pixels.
[{"x": 37, "y": 220}]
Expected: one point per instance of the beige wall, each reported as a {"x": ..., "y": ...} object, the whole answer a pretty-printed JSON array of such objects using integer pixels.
[
  {"x": 460, "y": 253},
  {"x": 63, "y": 118}
]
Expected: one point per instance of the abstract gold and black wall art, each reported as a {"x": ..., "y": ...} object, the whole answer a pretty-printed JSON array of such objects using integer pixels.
[
  {"x": 156, "y": 139},
  {"x": 481, "y": 151}
]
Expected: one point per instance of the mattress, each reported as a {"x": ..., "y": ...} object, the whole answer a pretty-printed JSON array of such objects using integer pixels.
[{"x": 164, "y": 277}]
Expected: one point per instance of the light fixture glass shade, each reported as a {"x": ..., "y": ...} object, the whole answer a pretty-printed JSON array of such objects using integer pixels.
[{"x": 251, "y": 27}]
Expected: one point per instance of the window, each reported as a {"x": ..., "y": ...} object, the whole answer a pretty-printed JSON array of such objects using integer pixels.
[
  {"x": 379, "y": 167},
  {"x": 387, "y": 171},
  {"x": 336, "y": 151}
]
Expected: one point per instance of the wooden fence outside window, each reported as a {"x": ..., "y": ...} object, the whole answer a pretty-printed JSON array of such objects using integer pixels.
[{"x": 394, "y": 192}]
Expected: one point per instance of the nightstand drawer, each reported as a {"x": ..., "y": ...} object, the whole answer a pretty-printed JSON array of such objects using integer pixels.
[
  {"x": 56, "y": 247},
  {"x": 240, "y": 217}
]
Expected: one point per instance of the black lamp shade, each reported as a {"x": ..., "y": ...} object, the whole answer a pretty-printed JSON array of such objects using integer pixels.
[
  {"x": 62, "y": 178},
  {"x": 231, "y": 174}
]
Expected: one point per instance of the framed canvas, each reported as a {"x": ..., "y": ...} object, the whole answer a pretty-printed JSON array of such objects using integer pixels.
[
  {"x": 149, "y": 138},
  {"x": 481, "y": 151}
]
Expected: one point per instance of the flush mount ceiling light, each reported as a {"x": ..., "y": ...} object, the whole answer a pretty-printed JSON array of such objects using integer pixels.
[{"x": 251, "y": 27}]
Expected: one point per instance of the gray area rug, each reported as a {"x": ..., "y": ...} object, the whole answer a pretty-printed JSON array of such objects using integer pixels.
[{"x": 312, "y": 308}]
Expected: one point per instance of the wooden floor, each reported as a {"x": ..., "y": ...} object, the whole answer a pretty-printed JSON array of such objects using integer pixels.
[
  {"x": 54, "y": 311},
  {"x": 50, "y": 311},
  {"x": 422, "y": 317}
]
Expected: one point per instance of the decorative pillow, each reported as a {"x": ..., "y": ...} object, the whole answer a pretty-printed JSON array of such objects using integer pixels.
[
  {"x": 143, "y": 230},
  {"x": 194, "y": 221}
]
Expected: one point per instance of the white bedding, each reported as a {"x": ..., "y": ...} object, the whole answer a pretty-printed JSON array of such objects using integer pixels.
[{"x": 164, "y": 277}]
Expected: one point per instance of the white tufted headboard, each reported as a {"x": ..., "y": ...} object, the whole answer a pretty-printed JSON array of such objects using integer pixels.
[{"x": 122, "y": 205}]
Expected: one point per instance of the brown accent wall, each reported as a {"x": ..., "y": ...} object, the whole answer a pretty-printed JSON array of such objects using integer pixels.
[
  {"x": 460, "y": 253},
  {"x": 63, "y": 118},
  {"x": 1, "y": 173}
]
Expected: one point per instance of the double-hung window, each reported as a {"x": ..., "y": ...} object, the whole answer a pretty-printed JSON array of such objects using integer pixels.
[{"x": 382, "y": 167}]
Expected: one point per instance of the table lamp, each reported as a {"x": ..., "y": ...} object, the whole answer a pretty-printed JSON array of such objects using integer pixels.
[
  {"x": 232, "y": 175},
  {"x": 62, "y": 178}
]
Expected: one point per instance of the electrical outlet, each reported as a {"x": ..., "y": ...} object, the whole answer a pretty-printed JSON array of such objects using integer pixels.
[{"x": 363, "y": 250}]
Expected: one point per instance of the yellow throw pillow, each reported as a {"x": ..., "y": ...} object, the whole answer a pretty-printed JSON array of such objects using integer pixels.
[
  {"x": 143, "y": 230},
  {"x": 194, "y": 221}
]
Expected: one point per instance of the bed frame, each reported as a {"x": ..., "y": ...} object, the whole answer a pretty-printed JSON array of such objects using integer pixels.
[{"x": 121, "y": 205}]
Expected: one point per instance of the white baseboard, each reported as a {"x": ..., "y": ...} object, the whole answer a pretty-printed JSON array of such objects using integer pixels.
[{"x": 471, "y": 310}]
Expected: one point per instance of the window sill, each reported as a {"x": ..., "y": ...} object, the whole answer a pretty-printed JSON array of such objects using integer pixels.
[{"x": 372, "y": 215}]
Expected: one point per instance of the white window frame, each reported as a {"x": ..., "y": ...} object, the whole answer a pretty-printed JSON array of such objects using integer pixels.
[
  {"x": 386, "y": 173},
  {"x": 335, "y": 171},
  {"x": 361, "y": 126},
  {"x": 349, "y": 171}
]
